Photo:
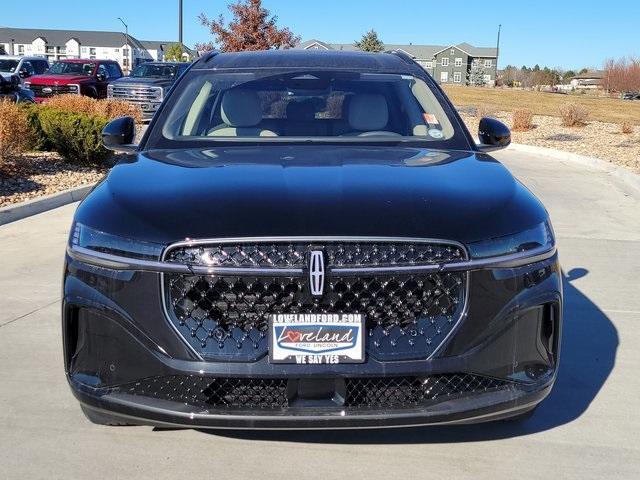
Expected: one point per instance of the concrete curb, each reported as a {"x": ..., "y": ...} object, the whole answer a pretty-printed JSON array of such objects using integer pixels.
[
  {"x": 33, "y": 207},
  {"x": 624, "y": 174}
]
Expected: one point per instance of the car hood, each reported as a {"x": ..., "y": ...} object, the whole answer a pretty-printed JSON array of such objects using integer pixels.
[
  {"x": 151, "y": 81},
  {"x": 283, "y": 191},
  {"x": 59, "y": 79}
]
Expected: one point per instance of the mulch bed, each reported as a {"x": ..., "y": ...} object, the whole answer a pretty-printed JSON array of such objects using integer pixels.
[
  {"x": 43, "y": 173},
  {"x": 595, "y": 139}
]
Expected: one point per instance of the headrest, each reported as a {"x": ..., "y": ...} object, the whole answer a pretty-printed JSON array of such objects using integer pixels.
[
  {"x": 301, "y": 111},
  {"x": 368, "y": 111},
  {"x": 241, "y": 108}
]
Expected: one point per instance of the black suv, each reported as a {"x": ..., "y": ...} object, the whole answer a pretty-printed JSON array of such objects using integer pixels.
[{"x": 309, "y": 240}]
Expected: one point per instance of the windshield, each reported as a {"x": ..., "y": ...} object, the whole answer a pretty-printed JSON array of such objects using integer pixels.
[
  {"x": 8, "y": 65},
  {"x": 149, "y": 70},
  {"x": 72, "y": 68},
  {"x": 315, "y": 105}
]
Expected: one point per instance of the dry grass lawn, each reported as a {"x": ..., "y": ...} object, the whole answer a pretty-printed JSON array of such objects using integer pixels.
[{"x": 611, "y": 110}]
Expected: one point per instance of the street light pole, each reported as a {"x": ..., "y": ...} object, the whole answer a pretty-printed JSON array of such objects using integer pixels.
[
  {"x": 498, "y": 47},
  {"x": 126, "y": 39},
  {"x": 180, "y": 23}
]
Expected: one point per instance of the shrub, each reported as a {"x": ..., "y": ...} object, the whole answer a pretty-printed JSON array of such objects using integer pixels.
[
  {"x": 626, "y": 128},
  {"x": 118, "y": 108},
  {"x": 75, "y": 136},
  {"x": 573, "y": 115},
  {"x": 107, "y": 108},
  {"x": 522, "y": 119},
  {"x": 72, "y": 103},
  {"x": 38, "y": 138},
  {"x": 14, "y": 131},
  {"x": 485, "y": 111}
]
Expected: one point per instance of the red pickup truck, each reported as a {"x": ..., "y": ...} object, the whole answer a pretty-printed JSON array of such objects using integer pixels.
[{"x": 77, "y": 76}]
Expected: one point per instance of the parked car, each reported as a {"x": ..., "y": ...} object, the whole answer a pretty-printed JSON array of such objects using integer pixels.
[
  {"x": 10, "y": 89},
  {"x": 22, "y": 67},
  {"x": 76, "y": 76},
  {"x": 631, "y": 96},
  {"x": 309, "y": 239},
  {"x": 147, "y": 85}
]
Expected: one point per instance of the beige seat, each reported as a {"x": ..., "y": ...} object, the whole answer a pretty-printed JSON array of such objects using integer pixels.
[
  {"x": 241, "y": 113},
  {"x": 368, "y": 115}
]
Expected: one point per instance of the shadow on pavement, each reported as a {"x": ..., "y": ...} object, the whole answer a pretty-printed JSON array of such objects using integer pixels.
[{"x": 588, "y": 353}]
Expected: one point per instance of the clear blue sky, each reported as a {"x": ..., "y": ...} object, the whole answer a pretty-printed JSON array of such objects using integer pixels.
[{"x": 566, "y": 33}]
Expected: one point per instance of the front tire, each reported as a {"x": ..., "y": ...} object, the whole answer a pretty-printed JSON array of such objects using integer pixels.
[{"x": 100, "y": 418}]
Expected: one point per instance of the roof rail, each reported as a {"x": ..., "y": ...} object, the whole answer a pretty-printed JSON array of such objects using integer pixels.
[
  {"x": 403, "y": 55},
  {"x": 204, "y": 59}
]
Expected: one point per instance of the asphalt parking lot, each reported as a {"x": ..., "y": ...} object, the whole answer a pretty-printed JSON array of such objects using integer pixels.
[{"x": 587, "y": 428}]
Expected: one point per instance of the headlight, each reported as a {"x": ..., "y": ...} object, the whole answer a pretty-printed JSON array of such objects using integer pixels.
[
  {"x": 539, "y": 236},
  {"x": 92, "y": 239},
  {"x": 73, "y": 88}
]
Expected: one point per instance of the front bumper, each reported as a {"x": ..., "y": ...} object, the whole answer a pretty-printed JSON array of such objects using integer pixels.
[
  {"x": 478, "y": 408},
  {"x": 114, "y": 339}
]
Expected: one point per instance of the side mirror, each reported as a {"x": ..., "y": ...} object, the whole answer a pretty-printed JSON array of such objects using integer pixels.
[
  {"x": 24, "y": 73},
  {"x": 493, "y": 135},
  {"x": 119, "y": 135}
]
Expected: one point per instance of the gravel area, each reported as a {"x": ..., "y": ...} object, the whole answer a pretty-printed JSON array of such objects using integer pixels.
[
  {"x": 596, "y": 139},
  {"x": 42, "y": 173}
]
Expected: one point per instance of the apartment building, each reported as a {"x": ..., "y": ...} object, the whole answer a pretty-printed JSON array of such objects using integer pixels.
[{"x": 462, "y": 64}]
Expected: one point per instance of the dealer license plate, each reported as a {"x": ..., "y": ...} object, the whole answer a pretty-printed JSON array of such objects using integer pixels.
[{"x": 316, "y": 338}]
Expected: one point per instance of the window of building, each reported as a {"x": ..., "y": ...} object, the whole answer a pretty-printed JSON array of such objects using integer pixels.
[
  {"x": 486, "y": 78},
  {"x": 20, "y": 49},
  {"x": 444, "y": 77},
  {"x": 457, "y": 77},
  {"x": 458, "y": 62},
  {"x": 445, "y": 62},
  {"x": 125, "y": 52},
  {"x": 429, "y": 64},
  {"x": 487, "y": 63},
  {"x": 117, "y": 50},
  {"x": 50, "y": 50},
  {"x": 125, "y": 62},
  {"x": 84, "y": 49},
  {"x": 452, "y": 51}
]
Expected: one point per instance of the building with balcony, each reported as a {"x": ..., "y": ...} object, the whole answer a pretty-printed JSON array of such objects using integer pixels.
[
  {"x": 461, "y": 64},
  {"x": 127, "y": 50}
]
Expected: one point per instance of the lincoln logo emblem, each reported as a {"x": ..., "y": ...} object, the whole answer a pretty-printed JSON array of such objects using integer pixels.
[{"x": 316, "y": 273}]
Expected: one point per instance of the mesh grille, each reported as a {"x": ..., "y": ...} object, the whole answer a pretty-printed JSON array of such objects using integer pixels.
[
  {"x": 252, "y": 393},
  {"x": 339, "y": 254},
  {"x": 404, "y": 391},
  {"x": 226, "y": 317},
  {"x": 216, "y": 392}
]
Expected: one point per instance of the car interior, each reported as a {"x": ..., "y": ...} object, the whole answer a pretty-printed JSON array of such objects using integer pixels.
[{"x": 312, "y": 105}]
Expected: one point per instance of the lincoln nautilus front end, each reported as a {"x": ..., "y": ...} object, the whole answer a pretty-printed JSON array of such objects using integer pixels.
[{"x": 309, "y": 240}]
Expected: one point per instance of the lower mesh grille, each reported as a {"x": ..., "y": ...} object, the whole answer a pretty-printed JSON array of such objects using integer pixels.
[{"x": 280, "y": 393}]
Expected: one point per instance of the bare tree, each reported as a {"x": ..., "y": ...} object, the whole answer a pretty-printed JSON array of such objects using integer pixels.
[{"x": 622, "y": 75}]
